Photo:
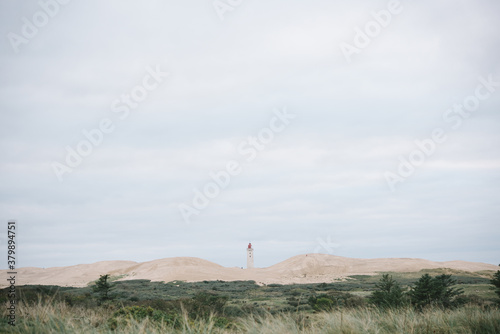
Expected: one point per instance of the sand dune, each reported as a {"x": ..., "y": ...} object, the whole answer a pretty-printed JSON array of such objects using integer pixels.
[
  {"x": 310, "y": 268},
  {"x": 78, "y": 275}
]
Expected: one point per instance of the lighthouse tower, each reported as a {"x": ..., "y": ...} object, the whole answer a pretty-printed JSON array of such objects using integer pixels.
[{"x": 249, "y": 256}]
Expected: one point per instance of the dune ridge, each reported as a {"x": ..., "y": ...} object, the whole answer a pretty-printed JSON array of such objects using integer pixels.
[{"x": 306, "y": 268}]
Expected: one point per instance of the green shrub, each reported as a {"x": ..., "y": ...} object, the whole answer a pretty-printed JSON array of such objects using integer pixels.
[
  {"x": 436, "y": 291},
  {"x": 297, "y": 292},
  {"x": 233, "y": 311},
  {"x": 221, "y": 322},
  {"x": 388, "y": 293},
  {"x": 139, "y": 313},
  {"x": 352, "y": 301},
  {"x": 321, "y": 303},
  {"x": 470, "y": 300},
  {"x": 204, "y": 304},
  {"x": 496, "y": 282},
  {"x": 335, "y": 299}
]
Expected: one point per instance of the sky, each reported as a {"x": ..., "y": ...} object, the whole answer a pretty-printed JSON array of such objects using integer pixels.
[{"x": 144, "y": 130}]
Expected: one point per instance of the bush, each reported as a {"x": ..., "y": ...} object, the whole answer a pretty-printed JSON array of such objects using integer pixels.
[
  {"x": 388, "y": 293},
  {"x": 496, "y": 282},
  {"x": 221, "y": 322},
  {"x": 233, "y": 311},
  {"x": 298, "y": 292},
  {"x": 471, "y": 300},
  {"x": 323, "y": 304},
  {"x": 353, "y": 301},
  {"x": 436, "y": 291},
  {"x": 167, "y": 306},
  {"x": 294, "y": 301},
  {"x": 139, "y": 313},
  {"x": 335, "y": 299},
  {"x": 205, "y": 304},
  {"x": 254, "y": 310}
]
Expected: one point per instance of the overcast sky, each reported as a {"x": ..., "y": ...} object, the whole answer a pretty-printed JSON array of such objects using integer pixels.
[{"x": 308, "y": 112}]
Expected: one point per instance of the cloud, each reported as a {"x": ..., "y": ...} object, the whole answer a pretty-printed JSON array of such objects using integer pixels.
[{"x": 323, "y": 176}]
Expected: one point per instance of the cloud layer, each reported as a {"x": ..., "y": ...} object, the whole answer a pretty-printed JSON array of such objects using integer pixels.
[{"x": 318, "y": 185}]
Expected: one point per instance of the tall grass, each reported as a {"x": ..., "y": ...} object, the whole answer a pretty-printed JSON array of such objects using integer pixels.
[
  {"x": 57, "y": 317},
  {"x": 366, "y": 320}
]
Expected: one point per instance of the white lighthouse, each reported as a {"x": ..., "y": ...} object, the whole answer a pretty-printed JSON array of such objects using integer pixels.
[{"x": 249, "y": 256}]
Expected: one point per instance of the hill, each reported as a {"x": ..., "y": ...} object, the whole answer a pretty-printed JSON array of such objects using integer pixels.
[{"x": 307, "y": 268}]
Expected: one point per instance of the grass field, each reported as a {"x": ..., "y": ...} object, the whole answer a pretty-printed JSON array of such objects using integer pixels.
[
  {"x": 141, "y": 306},
  {"x": 61, "y": 318}
]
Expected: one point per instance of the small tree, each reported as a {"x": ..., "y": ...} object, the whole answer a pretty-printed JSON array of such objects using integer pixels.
[
  {"x": 388, "y": 293},
  {"x": 496, "y": 282},
  {"x": 422, "y": 293},
  {"x": 434, "y": 291},
  {"x": 444, "y": 292},
  {"x": 102, "y": 287}
]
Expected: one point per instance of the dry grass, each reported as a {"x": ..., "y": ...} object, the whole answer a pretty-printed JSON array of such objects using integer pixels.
[{"x": 59, "y": 318}]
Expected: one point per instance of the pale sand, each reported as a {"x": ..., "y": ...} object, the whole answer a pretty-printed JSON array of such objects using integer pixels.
[{"x": 310, "y": 268}]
